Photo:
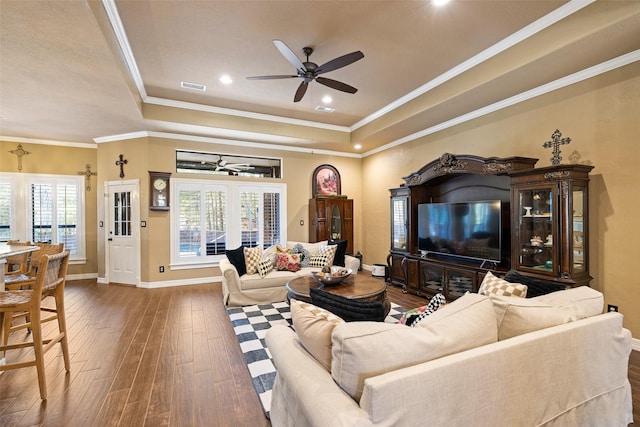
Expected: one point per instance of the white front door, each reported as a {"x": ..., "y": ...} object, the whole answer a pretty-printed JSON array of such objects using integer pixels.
[{"x": 123, "y": 239}]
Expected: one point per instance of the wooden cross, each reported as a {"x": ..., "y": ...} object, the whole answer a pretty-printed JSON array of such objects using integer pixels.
[
  {"x": 556, "y": 142},
  {"x": 121, "y": 163},
  {"x": 88, "y": 174},
  {"x": 20, "y": 152}
]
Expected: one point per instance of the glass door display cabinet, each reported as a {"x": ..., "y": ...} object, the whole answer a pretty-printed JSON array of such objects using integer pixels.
[
  {"x": 399, "y": 235},
  {"x": 549, "y": 213}
]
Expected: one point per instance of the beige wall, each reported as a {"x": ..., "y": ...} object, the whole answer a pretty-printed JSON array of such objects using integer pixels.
[
  {"x": 601, "y": 115},
  {"x": 158, "y": 154},
  {"x": 49, "y": 159}
]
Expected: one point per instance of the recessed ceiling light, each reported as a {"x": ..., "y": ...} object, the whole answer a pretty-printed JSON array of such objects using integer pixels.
[
  {"x": 439, "y": 2},
  {"x": 325, "y": 109},
  {"x": 357, "y": 146},
  {"x": 194, "y": 86},
  {"x": 225, "y": 79},
  {"x": 327, "y": 99}
]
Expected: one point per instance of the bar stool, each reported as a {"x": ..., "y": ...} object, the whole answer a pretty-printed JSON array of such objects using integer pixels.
[{"x": 50, "y": 281}]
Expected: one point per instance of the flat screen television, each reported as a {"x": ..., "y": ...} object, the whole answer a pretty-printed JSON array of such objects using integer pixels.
[{"x": 461, "y": 229}]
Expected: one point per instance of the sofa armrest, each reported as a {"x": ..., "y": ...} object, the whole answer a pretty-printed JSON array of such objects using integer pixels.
[
  {"x": 230, "y": 279},
  {"x": 352, "y": 262},
  {"x": 309, "y": 399}
]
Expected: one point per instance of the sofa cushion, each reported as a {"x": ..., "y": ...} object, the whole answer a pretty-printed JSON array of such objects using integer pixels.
[
  {"x": 350, "y": 310},
  {"x": 252, "y": 256},
  {"x": 271, "y": 253},
  {"x": 236, "y": 258},
  {"x": 517, "y": 316},
  {"x": 367, "y": 349},
  {"x": 341, "y": 251},
  {"x": 274, "y": 278},
  {"x": 288, "y": 262},
  {"x": 264, "y": 267},
  {"x": 314, "y": 326},
  {"x": 495, "y": 285},
  {"x": 535, "y": 287},
  {"x": 319, "y": 261},
  {"x": 329, "y": 251},
  {"x": 312, "y": 248}
]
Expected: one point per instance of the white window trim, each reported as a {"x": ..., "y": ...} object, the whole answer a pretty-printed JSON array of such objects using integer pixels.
[
  {"x": 234, "y": 235},
  {"x": 21, "y": 220}
]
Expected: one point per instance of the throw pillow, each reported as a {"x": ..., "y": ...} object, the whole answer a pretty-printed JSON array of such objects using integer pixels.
[
  {"x": 236, "y": 258},
  {"x": 304, "y": 254},
  {"x": 517, "y": 316},
  {"x": 330, "y": 251},
  {"x": 271, "y": 253},
  {"x": 497, "y": 286},
  {"x": 535, "y": 287},
  {"x": 410, "y": 316},
  {"x": 363, "y": 350},
  {"x": 341, "y": 251},
  {"x": 288, "y": 262},
  {"x": 350, "y": 310},
  {"x": 264, "y": 267},
  {"x": 314, "y": 326},
  {"x": 252, "y": 256},
  {"x": 436, "y": 302},
  {"x": 319, "y": 261}
]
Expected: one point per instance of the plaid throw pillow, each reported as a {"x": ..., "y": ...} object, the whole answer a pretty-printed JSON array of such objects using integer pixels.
[
  {"x": 252, "y": 257},
  {"x": 497, "y": 286},
  {"x": 330, "y": 252}
]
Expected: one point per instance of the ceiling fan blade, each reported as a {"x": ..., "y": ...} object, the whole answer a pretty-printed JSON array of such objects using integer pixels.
[
  {"x": 289, "y": 55},
  {"x": 334, "y": 84},
  {"x": 281, "y": 76},
  {"x": 302, "y": 89},
  {"x": 340, "y": 62}
]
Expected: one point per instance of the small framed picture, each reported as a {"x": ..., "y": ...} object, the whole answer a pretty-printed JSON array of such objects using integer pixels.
[{"x": 325, "y": 181}]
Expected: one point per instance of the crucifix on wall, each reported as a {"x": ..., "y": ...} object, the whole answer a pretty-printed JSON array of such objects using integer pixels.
[
  {"x": 19, "y": 151},
  {"x": 88, "y": 174},
  {"x": 121, "y": 163},
  {"x": 556, "y": 141}
]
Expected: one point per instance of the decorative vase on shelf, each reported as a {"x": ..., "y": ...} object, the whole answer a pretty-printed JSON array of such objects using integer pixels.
[{"x": 527, "y": 210}]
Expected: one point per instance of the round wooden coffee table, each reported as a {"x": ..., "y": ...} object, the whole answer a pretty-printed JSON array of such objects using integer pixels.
[{"x": 358, "y": 287}]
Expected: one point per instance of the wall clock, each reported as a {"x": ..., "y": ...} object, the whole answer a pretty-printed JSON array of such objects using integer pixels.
[{"x": 159, "y": 191}]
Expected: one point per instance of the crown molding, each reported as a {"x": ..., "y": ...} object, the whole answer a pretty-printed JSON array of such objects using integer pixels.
[
  {"x": 19, "y": 139},
  {"x": 560, "y": 83}
]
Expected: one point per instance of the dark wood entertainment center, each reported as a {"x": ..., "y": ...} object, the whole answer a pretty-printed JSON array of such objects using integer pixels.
[{"x": 544, "y": 223}]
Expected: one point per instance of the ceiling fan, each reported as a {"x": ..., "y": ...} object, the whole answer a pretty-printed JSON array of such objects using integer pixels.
[
  {"x": 221, "y": 165},
  {"x": 309, "y": 71}
]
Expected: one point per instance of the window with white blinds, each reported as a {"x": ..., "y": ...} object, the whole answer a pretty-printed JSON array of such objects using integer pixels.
[
  {"x": 43, "y": 208},
  {"x": 5, "y": 210},
  {"x": 210, "y": 217}
]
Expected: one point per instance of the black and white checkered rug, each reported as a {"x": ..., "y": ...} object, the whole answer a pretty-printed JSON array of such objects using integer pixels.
[{"x": 251, "y": 323}]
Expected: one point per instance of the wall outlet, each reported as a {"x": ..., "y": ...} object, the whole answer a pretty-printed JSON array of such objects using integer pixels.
[
  {"x": 612, "y": 307},
  {"x": 162, "y": 269}
]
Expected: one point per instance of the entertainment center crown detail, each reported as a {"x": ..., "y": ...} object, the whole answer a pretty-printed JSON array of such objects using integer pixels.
[{"x": 461, "y": 216}]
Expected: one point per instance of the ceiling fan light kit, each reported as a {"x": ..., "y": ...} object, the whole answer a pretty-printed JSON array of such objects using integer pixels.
[{"x": 309, "y": 71}]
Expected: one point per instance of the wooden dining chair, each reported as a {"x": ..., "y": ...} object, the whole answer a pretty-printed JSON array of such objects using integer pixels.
[
  {"x": 50, "y": 281},
  {"x": 17, "y": 264}
]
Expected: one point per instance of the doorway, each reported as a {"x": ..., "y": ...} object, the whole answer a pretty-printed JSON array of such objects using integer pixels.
[{"x": 123, "y": 232}]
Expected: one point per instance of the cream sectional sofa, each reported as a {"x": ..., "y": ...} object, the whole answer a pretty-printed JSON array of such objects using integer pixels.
[
  {"x": 250, "y": 289},
  {"x": 553, "y": 360}
]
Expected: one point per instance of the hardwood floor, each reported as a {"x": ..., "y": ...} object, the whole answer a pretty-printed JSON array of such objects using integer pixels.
[{"x": 152, "y": 357}]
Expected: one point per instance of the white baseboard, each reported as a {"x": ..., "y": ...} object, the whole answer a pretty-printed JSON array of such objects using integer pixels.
[
  {"x": 83, "y": 276},
  {"x": 183, "y": 282},
  {"x": 635, "y": 344}
]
